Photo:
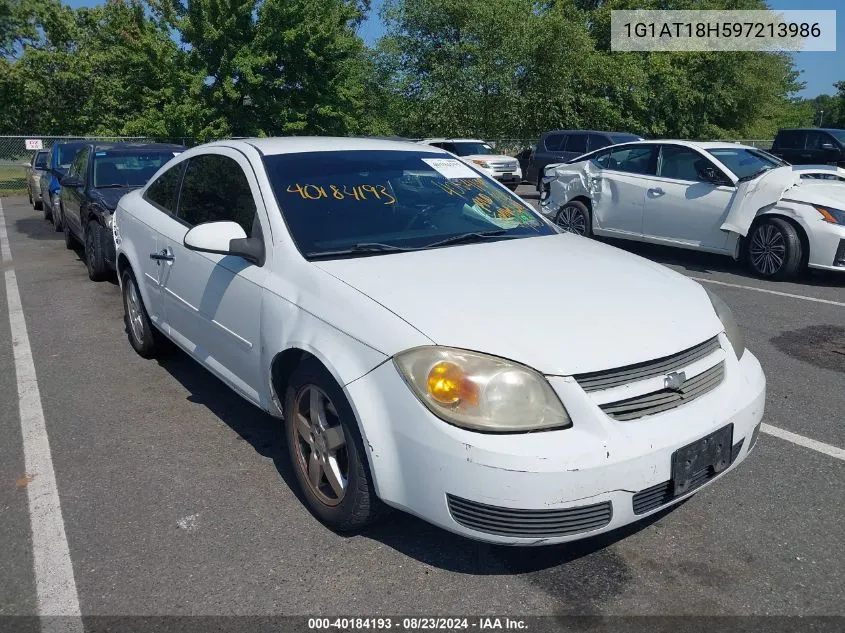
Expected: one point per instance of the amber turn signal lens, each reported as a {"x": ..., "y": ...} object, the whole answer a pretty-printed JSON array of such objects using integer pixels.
[
  {"x": 827, "y": 215},
  {"x": 448, "y": 384}
]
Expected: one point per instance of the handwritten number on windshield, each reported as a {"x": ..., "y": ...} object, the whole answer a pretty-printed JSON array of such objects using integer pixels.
[{"x": 342, "y": 192}]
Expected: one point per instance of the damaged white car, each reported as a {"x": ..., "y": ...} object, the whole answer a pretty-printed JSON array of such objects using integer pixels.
[{"x": 709, "y": 196}]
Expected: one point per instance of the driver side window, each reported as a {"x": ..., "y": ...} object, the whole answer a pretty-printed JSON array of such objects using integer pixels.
[{"x": 681, "y": 163}]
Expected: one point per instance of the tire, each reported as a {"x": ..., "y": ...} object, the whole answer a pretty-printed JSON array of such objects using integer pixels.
[
  {"x": 773, "y": 249},
  {"x": 95, "y": 256},
  {"x": 58, "y": 219},
  {"x": 46, "y": 212},
  {"x": 143, "y": 337},
  {"x": 512, "y": 187},
  {"x": 70, "y": 240},
  {"x": 38, "y": 206},
  {"x": 337, "y": 450},
  {"x": 575, "y": 217}
]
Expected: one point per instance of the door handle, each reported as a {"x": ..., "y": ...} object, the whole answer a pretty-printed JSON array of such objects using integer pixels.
[
  {"x": 164, "y": 256},
  {"x": 656, "y": 192}
]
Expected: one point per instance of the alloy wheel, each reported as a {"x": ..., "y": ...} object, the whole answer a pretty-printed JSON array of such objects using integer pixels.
[
  {"x": 133, "y": 308},
  {"x": 320, "y": 445},
  {"x": 571, "y": 219},
  {"x": 767, "y": 249}
]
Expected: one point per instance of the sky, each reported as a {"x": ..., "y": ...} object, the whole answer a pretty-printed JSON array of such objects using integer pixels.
[{"x": 819, "y": 70}]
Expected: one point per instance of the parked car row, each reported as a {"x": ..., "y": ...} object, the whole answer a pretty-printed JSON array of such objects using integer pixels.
[{"x": 382, "y": 298}]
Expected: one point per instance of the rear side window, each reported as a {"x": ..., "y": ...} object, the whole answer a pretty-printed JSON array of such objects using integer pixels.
[
  {"x": 215, "y": 188},
  {"x": 577, "y": 143},
  {"x": 790, "y": 139},
  {"x": 554, "y": 142},
  {"x": 597, "y": 141},
  {"x": 164, "y": 191}
]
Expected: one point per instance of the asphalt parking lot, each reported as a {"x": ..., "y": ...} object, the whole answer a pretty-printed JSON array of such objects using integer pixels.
[{"x": 176, "y": 496}]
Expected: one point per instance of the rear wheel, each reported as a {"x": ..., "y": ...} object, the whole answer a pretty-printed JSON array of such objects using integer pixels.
[
  {"x": 327, "y": 452},
  {"x": 95, "y": 257},
  {"x": 773, "y": 249},
  {"x": 142, "y": 336}
]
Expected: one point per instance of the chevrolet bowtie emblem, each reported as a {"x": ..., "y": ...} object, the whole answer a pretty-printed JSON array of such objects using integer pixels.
[{"x": 675, "y": 380}]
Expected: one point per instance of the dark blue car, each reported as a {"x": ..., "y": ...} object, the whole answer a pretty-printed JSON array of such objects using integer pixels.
[{"x": 59, "y": 160}]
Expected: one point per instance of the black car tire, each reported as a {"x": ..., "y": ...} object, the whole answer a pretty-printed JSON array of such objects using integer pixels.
[
  {"x": 38, "y": 205},
  {"x": 143, "y": 337},
  {"x": 572, "y": 210},
  {"x": 70, "y": 240},
  {"x": 512, "y": 186},
  {"x": 46, "y": 211},
  {"x": 773, "y": 249},
  {"x": 58, "y": 219},
  {"x": 359, "y": 506},
  {"x": 95, "y": 256}
]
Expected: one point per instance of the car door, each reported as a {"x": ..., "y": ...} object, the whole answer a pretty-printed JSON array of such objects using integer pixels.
[
  {"x": 681, "y": 205},
  {"x": 71, "y": 197},
  {"x": 547, "y": 152},
  {"x": 821, "y": 148},
  {"x": 576, "y": 145},
  {"x": 212, "y": 303},
  {"x": 790, "y": 147},
  {"x": 618, "y": 180}
]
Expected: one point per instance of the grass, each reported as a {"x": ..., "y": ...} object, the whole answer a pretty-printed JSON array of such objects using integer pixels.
[{"x": 12, "y": 180}]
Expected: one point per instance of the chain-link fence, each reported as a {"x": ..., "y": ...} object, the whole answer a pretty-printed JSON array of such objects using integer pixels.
[{"x": 16, "y": 153}]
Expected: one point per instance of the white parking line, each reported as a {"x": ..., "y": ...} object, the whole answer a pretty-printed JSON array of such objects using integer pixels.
[
  {"x": 806, "y": 442},
  {"x": 54, "y": 582},
  {"x": 771, "y": 292}
]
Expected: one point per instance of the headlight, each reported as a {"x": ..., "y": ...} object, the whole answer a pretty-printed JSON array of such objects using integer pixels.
[
  {"x": 732, "y": 330},
  {"x": 481, "y": 392},
  {"x": 834, "y": 216},
  {"x": 108, "y": 218},
  {"x": 481, "y": 163}
]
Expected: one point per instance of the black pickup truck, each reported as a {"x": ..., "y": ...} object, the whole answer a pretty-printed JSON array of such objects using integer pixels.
[{"x": 810, "y": 146}]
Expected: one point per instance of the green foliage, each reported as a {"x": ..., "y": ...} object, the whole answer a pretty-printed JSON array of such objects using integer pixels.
[{"x": 491, "y": 68}]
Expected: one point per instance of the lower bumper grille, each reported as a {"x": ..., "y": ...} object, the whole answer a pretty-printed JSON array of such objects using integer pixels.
[
  {"x": 839, "y": 258},
  {"x": 528, "y": 523},
  {"x": 661, "y": 494}
]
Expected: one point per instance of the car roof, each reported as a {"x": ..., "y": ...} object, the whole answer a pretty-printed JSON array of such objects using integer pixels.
[
  {"x": 605, "y": 132},
  {"x": 299, "y": 144},
  {"x": 454, "y": 140},
  {"x": 811, "y": 129},
  {"x": 704, "y": 145}
]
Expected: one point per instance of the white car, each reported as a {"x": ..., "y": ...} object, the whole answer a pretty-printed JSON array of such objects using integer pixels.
[
  {"x": 715, "y": 197},
  {"x": 503, "y": 168},
  {"x": 407, "y": 317}
]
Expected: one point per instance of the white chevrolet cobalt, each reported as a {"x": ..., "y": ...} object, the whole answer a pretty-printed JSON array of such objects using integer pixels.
[{"x": 404, "y": 314}]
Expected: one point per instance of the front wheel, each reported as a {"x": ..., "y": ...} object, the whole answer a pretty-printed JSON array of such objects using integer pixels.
[
  {"x": 58, "y": 218},
  {"x": 95, "y": 257},
  {"x": 773, "y": 249},
  {"x": 327, "y": 452},
  {"x": 574, "y": 217}
]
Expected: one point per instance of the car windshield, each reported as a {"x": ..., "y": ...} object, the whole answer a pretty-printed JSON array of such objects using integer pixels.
[
  {"x": 839, "y": 135},
  {"x": 121, "y": 168},
  {"x": 745, "y": 162},
  {"x": 41, "y": 160},
  {"x": 356, "y": 203},
  {"x": 468, "y": 148}
]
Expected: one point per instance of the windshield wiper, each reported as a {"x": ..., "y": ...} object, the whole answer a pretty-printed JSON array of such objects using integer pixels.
[
  {"x": 467, "y": 238},
  {"x": 757, "y": 173},
  {"x": 359, "y": 249}
]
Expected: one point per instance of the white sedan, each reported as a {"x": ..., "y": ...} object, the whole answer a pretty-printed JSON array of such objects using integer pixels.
[
  {"x": 715, "y": 197},
  {"x": 483, "y": 157},
  {"x": 383, "y": 299}
]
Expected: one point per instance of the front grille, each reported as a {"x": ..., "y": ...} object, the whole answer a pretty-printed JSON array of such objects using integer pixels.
[
  {"x": 503, "y": 167},
  {"x": 665, "y": 399},
  {"x": 661, "y": 494},
  {"x": 600, "y": 380},
  {"x": 528, "y": 523},
  {"x": 839, "y": 258}
]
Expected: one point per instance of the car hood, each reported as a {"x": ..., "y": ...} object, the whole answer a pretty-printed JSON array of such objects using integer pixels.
[
  {"x": 491, "y": 158},
  {"x": 824, "y": 193},
  {"x": 108, "y": 198},
  {"x": 562, "y": 304}
]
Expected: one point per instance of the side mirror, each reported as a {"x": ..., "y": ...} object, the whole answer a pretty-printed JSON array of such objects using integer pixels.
[
  {"x": 828, "y": 147},
  {"x": 225, "y": 238},
  {"x": 710, "y": 174},
  {"x": 71, "y": 182}
]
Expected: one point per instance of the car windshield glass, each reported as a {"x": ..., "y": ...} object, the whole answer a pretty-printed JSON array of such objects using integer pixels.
[
  {"x": 467, "y": 148},
  {"x": 359, "y": 203},
  {"x": 41, "y": 160},
  {"x": 745, "y": 162},
  {"x": 127, "y": 168},
  {"x": 839, "y": 135}
]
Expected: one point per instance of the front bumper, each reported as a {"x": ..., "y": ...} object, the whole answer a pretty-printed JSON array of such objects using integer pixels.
[
  {"x": 591, "y": 472},
  {"x": 827, "y": 247}
]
